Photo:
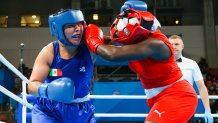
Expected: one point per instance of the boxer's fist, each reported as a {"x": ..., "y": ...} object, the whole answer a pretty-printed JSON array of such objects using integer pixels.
[
  {"x": 94, "y": 37},
  {"x": 61, "y": 90}
]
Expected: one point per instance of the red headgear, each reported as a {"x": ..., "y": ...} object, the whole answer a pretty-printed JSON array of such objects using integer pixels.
[{"x": 132, "y": 26}]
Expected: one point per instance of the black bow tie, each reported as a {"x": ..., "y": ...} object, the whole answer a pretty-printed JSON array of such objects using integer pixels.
[{"x": 179, "y": 60}]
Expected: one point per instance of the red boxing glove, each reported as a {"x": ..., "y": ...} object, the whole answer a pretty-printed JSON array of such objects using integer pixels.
[{"x": 94, "y": 37}]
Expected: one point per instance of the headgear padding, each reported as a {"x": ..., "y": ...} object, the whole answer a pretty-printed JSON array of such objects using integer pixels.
[
  {"x": 58, "y": 20},
  {"x": 134, "y": 4},
  {"x": 133, "y": 26}
]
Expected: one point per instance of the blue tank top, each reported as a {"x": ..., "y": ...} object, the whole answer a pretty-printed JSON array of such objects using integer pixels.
[{"x": 79, "y": 69}]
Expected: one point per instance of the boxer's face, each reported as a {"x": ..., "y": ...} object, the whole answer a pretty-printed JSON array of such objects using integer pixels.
[
  {"x": 177, "y": 46},
  {"x": 73, "y": 33}
]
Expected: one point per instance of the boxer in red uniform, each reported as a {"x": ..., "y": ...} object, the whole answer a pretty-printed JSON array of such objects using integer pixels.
[{"x": 149, "y": 53}]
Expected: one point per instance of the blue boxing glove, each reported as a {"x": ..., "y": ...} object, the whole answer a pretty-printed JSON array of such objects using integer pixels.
[
  {"x": 208, "y": 116},
  {"x": 61, "y": 90},
  {"x": 134, "y": 4}
]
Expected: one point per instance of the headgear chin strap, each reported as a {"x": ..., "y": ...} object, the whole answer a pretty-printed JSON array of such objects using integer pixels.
[
  {"x": 132, "y": 26},
  {"x": 58, "y": 20}
]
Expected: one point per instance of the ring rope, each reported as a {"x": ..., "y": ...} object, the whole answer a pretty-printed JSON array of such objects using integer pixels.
[
  {"x": 10, "y": 66},
  {"x": 131, "y": 97},
  {"x": 24, "y": 82},
  {"x": 135, "y": 115},
  {"x": 15, "y": 97}
]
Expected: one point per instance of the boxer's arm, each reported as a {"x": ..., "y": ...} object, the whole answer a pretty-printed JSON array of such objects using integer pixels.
[
  {"x": 150, "y": 48},
  {"x": 40, "y": 69}
]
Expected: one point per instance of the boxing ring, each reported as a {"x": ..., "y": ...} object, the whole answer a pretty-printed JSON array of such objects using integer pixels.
[{"x": 26, "y": 101}]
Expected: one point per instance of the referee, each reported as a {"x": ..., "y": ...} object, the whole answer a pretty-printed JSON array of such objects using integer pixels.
[{"x": 192, "y": 73}]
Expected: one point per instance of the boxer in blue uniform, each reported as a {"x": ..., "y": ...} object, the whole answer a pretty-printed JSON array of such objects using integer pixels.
[{"x": 62, "y": 73}]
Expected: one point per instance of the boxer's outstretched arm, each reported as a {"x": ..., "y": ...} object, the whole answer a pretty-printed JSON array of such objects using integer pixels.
[{"x": 152, "y": 48}]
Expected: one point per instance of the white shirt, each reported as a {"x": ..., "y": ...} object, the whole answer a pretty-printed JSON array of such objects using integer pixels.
[{"x": 190, "y": 70}]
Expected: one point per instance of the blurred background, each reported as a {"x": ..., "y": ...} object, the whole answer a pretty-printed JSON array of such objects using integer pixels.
[{"x": 24, "y": 32}]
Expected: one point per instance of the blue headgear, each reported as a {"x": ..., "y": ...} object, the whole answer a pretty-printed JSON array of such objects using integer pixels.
[
  {"x": 134, "y": 4},
  {"x": 58, "y": 20}
]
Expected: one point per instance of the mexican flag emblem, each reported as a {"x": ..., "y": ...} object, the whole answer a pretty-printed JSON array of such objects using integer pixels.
[{"x": 55, "y": 72}]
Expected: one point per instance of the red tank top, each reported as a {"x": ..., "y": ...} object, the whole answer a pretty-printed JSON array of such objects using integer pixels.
[{"x": 154, "y": 73}]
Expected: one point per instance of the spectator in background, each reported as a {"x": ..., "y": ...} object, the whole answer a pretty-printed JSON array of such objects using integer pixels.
[
  {"x": 212, "y": 87},
  {"x": 192, "y": 73},
  {"x": 211, "y": 83}
]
